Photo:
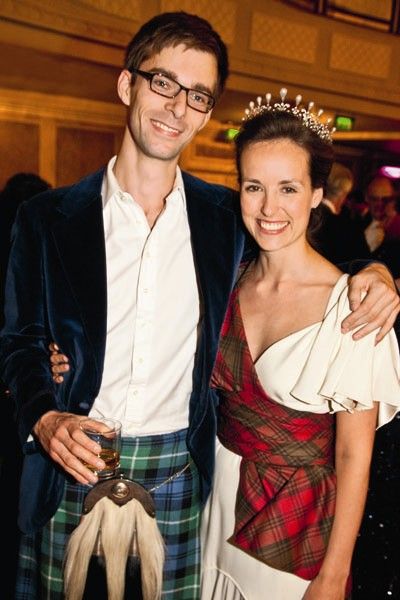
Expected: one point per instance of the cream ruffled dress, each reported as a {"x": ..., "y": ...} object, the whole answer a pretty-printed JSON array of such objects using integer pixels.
[{"x": 316, "y": 369}]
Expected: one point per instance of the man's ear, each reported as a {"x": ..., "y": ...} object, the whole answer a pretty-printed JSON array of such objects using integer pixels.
[
  {"x": 318, "y": 194},
  {"x": 124, "y": 86}
]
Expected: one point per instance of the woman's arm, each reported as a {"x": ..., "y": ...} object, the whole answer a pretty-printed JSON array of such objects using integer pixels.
[{"x": 354, "y": 442}]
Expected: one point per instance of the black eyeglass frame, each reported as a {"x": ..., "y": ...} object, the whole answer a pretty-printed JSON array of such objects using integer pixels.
[{"x": 150, "y": 76}]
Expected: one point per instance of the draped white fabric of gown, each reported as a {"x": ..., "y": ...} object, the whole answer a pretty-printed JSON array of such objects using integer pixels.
[{"x": 316, "y": 369}]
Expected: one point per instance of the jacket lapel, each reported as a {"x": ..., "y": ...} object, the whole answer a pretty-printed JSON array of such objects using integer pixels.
[
  {"x": 217, "y": 248},
  {"x": 79, "y": 238}
]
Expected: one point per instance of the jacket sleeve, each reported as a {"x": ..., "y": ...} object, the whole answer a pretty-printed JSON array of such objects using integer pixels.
[
  {"x": 24, "y": 357},
  {"x": 358, "y": 264}
]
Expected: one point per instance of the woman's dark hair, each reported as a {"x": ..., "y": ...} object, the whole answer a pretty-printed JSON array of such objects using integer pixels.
[
  {"x": 275, "y": 125},
  {"x": 172, "y": 29}
]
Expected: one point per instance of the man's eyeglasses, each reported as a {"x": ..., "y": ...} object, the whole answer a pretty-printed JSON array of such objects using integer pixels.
[{"x": 169, "y": 88}]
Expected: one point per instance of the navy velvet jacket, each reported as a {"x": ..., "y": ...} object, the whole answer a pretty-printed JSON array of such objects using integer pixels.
[{"x": 56, "y": 290}]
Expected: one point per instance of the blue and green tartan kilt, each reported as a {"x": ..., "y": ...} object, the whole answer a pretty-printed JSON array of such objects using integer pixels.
[{"x": 148, "y": 460}]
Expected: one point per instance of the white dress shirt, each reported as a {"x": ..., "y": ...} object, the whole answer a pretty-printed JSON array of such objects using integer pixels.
[{"x": 152, "y": 313}]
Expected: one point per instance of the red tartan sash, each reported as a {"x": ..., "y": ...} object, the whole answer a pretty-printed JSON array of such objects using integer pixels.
[{"x": 286, "y": 497}]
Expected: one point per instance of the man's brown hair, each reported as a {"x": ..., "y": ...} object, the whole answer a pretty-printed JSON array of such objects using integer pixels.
[{"x": 172, "y": 29}]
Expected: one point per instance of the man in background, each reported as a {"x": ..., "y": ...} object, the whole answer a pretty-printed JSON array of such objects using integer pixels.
[
  {"x": 339, "y": 238},
  {"x": 379, "y": 192}
]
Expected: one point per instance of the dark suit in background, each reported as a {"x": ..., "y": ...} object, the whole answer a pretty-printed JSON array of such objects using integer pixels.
[
  {"x": 18, "y": 188},
  {"x": 339, "y": 238}
]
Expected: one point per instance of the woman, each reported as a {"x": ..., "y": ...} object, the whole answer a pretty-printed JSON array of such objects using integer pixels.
[{"x": 298, "y": 400}]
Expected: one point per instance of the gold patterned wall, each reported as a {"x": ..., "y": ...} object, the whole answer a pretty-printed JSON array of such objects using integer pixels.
[
  {"x": 65, "y": 56},
  {"x": 62, "y": 139},
  {"x": 269, "y": 42},
  {"x": 108, "y": 21},
  {"x": 360, "y": 56},
  {"x": 278, "y": 37},
  {"x": 222, "y": 14}
]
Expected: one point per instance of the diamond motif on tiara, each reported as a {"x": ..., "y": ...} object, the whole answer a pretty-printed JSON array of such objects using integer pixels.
[{"x": 305, "y": 115}]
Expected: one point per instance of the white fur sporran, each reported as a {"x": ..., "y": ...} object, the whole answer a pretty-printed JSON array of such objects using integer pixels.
[{"x": 119, "y": 522}]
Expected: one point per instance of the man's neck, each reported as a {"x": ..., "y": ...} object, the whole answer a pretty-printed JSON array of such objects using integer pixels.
[{"x": 147, "y": 180}]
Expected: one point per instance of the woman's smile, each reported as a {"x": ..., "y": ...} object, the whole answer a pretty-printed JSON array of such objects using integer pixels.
[{"x": 272, "y": 227}]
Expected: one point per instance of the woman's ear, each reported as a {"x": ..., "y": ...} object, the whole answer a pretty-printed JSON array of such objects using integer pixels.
[
  {"x": 318, "y": 194},
  {"x": 124, "y": 86}
]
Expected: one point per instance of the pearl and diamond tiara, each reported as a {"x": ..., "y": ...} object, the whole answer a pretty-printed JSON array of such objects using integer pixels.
[{"x": 308, "y": 118}]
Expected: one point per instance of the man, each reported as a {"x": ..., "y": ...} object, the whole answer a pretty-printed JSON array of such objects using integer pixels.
[
  {"x": 339, "y": 238},
  {"x": 379, "y": 192},
  {"x": 130, "y": 272}
]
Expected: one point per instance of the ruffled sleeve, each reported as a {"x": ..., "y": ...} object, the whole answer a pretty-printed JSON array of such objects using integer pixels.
[{"x": 350, "y": 375}]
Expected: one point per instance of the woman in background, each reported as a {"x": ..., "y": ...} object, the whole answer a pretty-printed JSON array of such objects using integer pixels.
[{"x": 298, "y": 400}]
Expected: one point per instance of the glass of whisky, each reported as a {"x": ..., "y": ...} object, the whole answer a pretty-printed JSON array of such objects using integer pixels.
[{"x": 107, "y": 433}]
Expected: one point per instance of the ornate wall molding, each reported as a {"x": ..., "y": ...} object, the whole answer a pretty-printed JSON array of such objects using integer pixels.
[
  {"x": 110, "y": 22},
  {"x": 32, "y": 106},
  {"x": 271, "y": 44}
]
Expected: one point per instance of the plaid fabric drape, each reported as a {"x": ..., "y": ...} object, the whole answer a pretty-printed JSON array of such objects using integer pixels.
[{"x": 286, "y": 497}]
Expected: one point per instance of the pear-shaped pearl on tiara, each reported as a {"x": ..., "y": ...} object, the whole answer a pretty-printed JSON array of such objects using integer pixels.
[{"x": 305, "y": 115}]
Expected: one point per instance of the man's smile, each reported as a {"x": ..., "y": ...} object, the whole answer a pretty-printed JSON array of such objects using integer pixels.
[{"x": 164, "y": 127}]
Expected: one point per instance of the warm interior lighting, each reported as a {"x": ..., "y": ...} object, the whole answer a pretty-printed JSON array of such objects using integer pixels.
[
  {"x": 231, "y": 133},
  {"x": 343, "y": 123},
  {"x": 392, "y": 172}
]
